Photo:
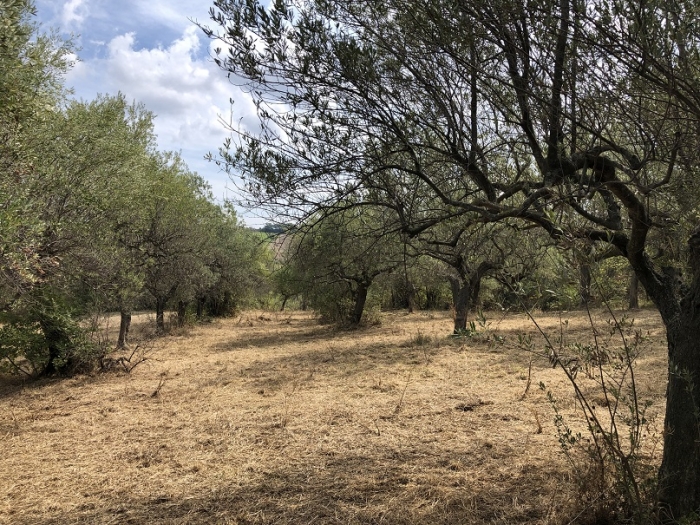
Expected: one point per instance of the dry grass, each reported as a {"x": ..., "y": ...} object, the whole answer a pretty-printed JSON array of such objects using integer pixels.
[{"x": 271, "y": 418}]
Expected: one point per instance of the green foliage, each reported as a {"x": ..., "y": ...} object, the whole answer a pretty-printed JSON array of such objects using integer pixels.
[
  {"x": 22, "y": 347},
  {"x": 45, "y": 337},
  {"x": 334, "y": 260},
  {"x": 92, "y": 217},
  {"x": 239, "y": 260},
  {"x": 30, "y": 90}
]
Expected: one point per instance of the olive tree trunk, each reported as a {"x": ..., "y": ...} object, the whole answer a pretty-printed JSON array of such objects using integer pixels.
[
  {"x": 633, "y": 292},
  {"x": 679, "y": 306},
  {"x": 124, "y": 326},
  {"x": 465, "y": 292},
  {"x": 160, "y": 314},
  {"x": 181, "y": 313},
  {"x": 57, "y": 341},
  {"x": 679, "y": 475},
  {"x": 360, "y": 299},
  {"x": 585, "y": 283},
  {"x": 461, "y": 300}
]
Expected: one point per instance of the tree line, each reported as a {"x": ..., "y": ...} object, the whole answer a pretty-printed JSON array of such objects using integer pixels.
[{"x": 93, "y": 218}]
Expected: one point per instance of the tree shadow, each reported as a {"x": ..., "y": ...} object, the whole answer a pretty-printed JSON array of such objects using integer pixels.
[
  {"x": 329, "y": 358},
  {"x": 15, "y": 385},
  {"x": 270, "y": 339},
  {"x": 347, "y": 489}
]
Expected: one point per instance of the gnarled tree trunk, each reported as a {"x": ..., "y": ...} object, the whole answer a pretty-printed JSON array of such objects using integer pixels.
[
  {"x": 465, "y": 293},
  {"x": 461, "y": 301},
  {"x": 679, "y": 475}
]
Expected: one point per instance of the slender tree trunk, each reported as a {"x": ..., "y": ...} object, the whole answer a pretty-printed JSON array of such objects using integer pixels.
[
  {"x": 360, "y": 297},
  {"x": 181, "y": 313},
  {"x": 585, "y": 283},
  {"x": 284, "y": 303},
  {"x": 227, "y": 306},
  {"x": 633, "y": 292},
  {"x": 201, "y": 301},
  {"x": 411, "y": 296},
  {"x": 160, "y": 315},
  {"x": 124, "y": 326}
]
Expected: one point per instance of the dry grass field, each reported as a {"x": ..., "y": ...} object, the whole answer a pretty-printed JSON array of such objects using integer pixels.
[{"x": 272, "y": 418}]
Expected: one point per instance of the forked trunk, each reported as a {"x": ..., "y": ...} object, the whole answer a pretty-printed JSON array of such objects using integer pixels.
[{"x": 465, "y": 294}]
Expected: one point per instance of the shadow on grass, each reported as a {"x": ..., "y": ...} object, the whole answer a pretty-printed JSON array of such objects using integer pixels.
[
  {"x": 328, "y": 358},
  {"x": 273, "y": 338},
  {"x": 16, "y": 385},
  {"x": 348, "y": 489}
]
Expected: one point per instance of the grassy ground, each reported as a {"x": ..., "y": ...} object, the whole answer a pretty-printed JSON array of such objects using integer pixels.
[{"x": 273, "y": 418}]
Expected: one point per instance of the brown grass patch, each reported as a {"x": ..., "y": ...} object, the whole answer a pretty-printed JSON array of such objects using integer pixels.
[{"x": 271, "y": 418}]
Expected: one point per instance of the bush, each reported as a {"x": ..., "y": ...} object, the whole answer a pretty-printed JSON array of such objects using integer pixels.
[
  {"x": 615, "y": 479},
  {"x": 44, "y": 340}
]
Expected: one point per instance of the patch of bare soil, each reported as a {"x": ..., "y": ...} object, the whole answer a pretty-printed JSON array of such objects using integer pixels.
[{"x": 273, "y": 418}]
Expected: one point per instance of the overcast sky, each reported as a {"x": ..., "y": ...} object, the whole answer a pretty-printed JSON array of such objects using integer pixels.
[{"x": 152, "y": 52}]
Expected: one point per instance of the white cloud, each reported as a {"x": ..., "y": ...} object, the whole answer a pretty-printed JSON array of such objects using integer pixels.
[
  {"x": 149, "y": 51},
  {"x": 74, "y": 13},
  {"x": 187, "y": 94}
]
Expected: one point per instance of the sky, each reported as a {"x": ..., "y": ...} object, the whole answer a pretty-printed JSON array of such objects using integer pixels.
[{"x": 153, "y": 53}]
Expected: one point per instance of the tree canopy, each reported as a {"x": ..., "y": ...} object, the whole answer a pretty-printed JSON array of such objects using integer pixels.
[
  {"x": 93, "y": 218},
  {"x": 577, "y": 117}
]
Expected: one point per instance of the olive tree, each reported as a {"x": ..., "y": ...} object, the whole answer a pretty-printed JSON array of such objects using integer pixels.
[
  {"x": 335, "y": 258},
  {"x": 30, "y": 89},
  {"x": 540, "y": 110}
]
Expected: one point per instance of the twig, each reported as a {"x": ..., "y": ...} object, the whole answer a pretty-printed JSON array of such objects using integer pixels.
[
  {"x": 400, "y": 403},
  {"x": 529, "y": 379}
]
